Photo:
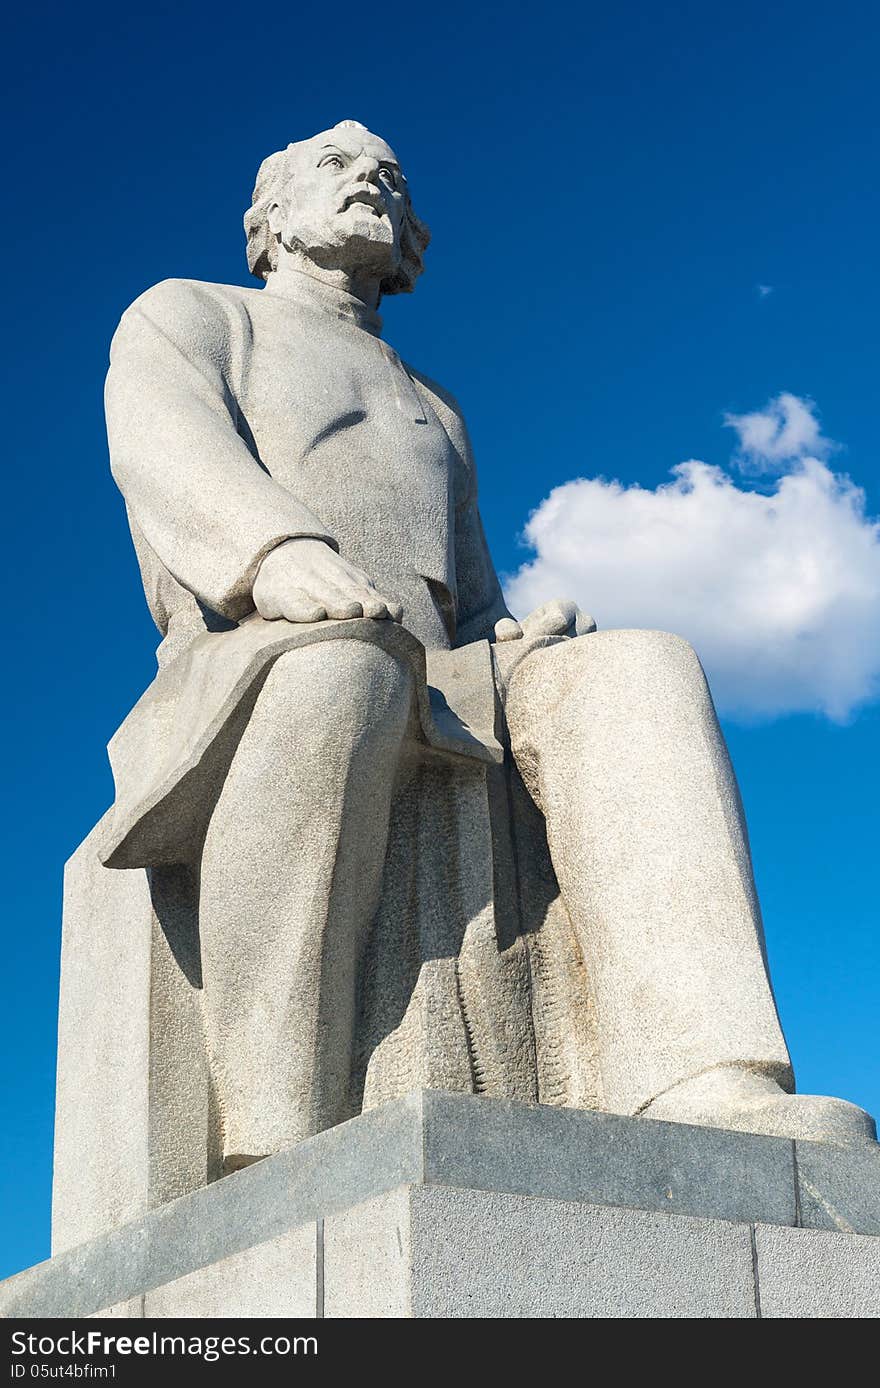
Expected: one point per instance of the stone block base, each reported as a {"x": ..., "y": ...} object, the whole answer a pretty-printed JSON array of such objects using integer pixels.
[{"x": 445, "y": 1206}]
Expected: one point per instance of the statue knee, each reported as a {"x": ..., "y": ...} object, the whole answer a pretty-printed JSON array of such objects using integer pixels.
[
  {"x": 619, "y": 675},
  {"x": 653, "y": 674},
  {"x": 652, "y": 653},
  {"x": 354, "y": 684}
]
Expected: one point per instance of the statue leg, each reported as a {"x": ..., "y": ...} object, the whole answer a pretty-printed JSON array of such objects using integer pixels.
[
  {"x": 616, "y": 737},
  {"x": 290, "y": 880}
]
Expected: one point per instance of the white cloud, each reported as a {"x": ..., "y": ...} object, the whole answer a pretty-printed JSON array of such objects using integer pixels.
[
  {"x": 778, "y": 591},
  {"x": 784, "y": 430}
]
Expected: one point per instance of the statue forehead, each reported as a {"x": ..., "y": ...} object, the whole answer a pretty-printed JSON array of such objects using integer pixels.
[{"x": 352, "y": 141}]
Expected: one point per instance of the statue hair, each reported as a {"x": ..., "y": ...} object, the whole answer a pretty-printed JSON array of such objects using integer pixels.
[{"x": 262, "y": 246}]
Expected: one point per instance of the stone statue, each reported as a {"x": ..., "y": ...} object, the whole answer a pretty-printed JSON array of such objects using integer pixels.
[{"x": 420, "y": 843}]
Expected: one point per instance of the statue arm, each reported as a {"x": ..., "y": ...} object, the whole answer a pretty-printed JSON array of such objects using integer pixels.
[{"x": 201, "y": 499}]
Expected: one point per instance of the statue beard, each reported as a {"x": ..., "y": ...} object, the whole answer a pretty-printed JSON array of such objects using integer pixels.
[{"x": 361, "y": 245}]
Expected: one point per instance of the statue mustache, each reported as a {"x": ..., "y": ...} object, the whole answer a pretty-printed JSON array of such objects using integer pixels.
[{"x": 369, "y": 198}]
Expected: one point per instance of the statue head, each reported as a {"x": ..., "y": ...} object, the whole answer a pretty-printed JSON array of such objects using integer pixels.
[{"x": 341, "y": 200}]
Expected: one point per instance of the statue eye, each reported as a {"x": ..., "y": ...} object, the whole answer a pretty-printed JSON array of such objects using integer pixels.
[
  {"x": 333, "y": 160},
  {"x": 387, "y": 176}
]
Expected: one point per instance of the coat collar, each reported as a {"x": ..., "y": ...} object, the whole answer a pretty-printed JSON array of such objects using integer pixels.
[{"x": 304, "y": 289}]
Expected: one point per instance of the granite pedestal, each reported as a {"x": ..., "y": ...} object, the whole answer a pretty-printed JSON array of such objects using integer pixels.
[{"x": 442, "y": 1205}]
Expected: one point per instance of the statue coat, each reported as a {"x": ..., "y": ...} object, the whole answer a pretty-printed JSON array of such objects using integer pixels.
[{"x": 238, "y": 418}]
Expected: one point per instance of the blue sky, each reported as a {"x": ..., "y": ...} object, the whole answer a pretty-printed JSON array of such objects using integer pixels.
[{"x": 608, "y": 187}]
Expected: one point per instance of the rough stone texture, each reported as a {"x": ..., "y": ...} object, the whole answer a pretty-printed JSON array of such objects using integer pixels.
[
  {"x": 604, "y": 1159},
  {"x": 135, "y": 1125},
  {"x": 472, "y": 1146},
  {"x": 277, "y": 1278},
  {"x": 133, "y": 1309},
  {"x": 100, "y": 1170},
  {"x": 367, "y": 1259},
  {"x": 805, "y": 1274},
  {"x": 839, "y": 1187},
  {"x": 437, "y": 1253}
]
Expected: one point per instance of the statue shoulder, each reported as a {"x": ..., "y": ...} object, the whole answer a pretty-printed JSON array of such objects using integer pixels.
[
  {"x": 197, "y": 316},
  {"x": 438, "y": 392}
]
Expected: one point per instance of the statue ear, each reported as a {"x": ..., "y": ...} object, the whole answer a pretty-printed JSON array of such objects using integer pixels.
[{"x": 274, "y": 218}]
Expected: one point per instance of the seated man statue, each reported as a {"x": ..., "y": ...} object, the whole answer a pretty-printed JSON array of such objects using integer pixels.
[{"x": 339, "y": 670}]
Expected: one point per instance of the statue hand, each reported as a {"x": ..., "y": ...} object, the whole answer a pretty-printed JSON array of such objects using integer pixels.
[
  {"x": 556, "y": 618},
  {"x": 304, "y": 580}
]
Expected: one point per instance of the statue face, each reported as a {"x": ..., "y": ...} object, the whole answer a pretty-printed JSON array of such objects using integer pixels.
[{"x": 344, "y": 203}]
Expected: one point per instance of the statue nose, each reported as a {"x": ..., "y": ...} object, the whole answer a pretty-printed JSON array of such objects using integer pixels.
[{"x": 367, "y": 171}]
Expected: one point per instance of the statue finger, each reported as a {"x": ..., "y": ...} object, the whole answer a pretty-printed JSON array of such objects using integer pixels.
[
  {"x": 551, "y": 618},
  {"x": 560, "y": 615},
  {"x": 300, "y": 606},
  {"x": 508, "y": 630},
  {"x": 268, "y": 607},
  {"x": 393, "y": 610},
  {"x": 341, "y": 609},
  {"x": 373, "y": 604},
  {"x": 343, "y": 600}
]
